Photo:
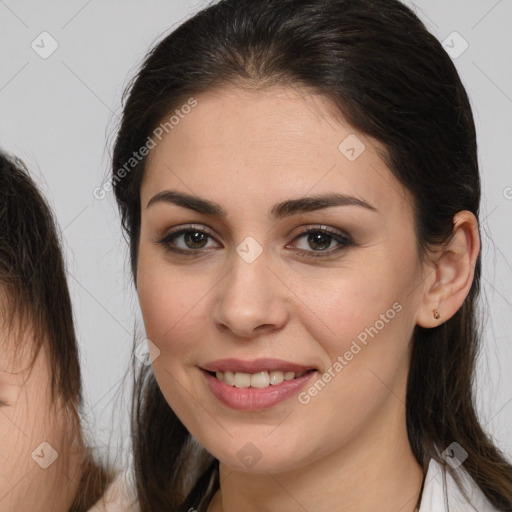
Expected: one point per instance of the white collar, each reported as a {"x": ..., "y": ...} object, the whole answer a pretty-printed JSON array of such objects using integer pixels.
[{"x": 440, "y": 491}]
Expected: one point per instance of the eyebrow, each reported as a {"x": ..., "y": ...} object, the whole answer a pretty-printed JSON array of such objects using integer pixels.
[{"x": 278, "y": 211}]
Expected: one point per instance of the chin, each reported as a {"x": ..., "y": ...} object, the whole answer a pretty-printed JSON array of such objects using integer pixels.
[{"x": 258, "y": 456}]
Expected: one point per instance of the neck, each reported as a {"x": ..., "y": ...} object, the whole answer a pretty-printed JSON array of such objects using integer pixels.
[{"x": 376, "y": 470}]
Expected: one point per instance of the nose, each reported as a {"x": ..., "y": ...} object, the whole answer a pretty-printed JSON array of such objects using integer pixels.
[{"x": 251, "y": 299}]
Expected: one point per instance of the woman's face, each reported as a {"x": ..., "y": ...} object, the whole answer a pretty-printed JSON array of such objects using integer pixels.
[
  {"x": 36, "y": 473},
  {"x": 249, "y": 285}
]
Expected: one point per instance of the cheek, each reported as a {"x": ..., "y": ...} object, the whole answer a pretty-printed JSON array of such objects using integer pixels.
[
  {"x": 170, "y": 302},
  {"x": 348, "y": 305},
  {"x": 14, "y": 451},
  {"x": 367, "y": 345},
  {"x": 363, "y": 321},
  {"x": 172, "y": 312},
  {"x": 23, "y": 427}
]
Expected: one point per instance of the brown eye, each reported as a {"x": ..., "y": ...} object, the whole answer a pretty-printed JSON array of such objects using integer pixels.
[
  {"x": 187, "y": 241},
  {"x": 194, "y": 239},
  {"x": 320, "y": 240}
]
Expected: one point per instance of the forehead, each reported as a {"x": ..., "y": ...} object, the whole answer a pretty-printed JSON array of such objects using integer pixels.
[{"x": 281, "y": 141}]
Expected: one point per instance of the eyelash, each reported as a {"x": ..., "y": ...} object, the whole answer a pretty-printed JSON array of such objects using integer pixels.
[{"x": 342, "y": 239}]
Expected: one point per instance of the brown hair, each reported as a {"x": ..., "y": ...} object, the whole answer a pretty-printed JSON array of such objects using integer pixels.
[
  {"x": 392, "y": 80},
  {"x": 35, "y": 293}
]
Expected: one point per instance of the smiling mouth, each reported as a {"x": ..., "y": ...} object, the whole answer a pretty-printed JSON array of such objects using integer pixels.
[{"x": 262, "y": 379}]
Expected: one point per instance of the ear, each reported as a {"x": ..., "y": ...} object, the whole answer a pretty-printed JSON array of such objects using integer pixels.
[{"x": 448, "y": 285}]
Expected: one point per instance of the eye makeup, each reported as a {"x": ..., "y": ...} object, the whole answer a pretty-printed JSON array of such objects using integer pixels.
[{"x": 332, "y": 235}]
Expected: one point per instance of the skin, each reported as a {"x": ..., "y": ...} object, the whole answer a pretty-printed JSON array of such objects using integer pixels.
[
  {"x": 247, "y": 151},
  {"x": 28, "y": 418}
]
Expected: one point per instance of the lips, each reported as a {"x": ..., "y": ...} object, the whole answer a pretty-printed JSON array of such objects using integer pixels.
[{"x": 255, "y": 385}]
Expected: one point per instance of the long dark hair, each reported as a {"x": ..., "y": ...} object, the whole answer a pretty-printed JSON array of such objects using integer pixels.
[
  {"x": 35, "y": 293},
  {"x": 392, "y": 80}
]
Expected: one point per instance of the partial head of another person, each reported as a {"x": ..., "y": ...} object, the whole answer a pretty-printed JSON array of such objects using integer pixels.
[{"x": 46, "y": 464}]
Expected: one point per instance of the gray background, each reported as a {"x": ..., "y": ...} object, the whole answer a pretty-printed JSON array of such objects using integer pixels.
[{"x": 59, "y": 114}]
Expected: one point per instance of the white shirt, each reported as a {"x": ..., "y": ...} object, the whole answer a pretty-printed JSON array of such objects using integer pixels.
[{"x": 439, "y": 486}]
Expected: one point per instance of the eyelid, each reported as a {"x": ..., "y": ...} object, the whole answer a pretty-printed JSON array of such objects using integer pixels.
[
  {"x": 343, "y": 239},
  {"x": 324, "y": 228},
  {"x": 189, "y": 227},
  {"x": 180, "y": 230},
  {"x": 208, "y": 231}
]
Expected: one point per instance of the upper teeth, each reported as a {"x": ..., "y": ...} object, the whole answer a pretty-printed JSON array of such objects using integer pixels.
[{"x": 256, "y": 380}]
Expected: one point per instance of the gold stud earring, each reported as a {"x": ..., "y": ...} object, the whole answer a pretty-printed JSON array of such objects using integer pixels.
[{"x": 436, "y": 314}]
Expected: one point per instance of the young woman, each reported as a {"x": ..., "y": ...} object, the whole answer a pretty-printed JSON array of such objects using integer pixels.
[
  {"x": 299, "y": 184},
  {"x": 44, "y": 462}
]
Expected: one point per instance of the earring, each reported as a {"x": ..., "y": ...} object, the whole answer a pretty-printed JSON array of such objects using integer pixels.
[{"x": 436, "y": 314}]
